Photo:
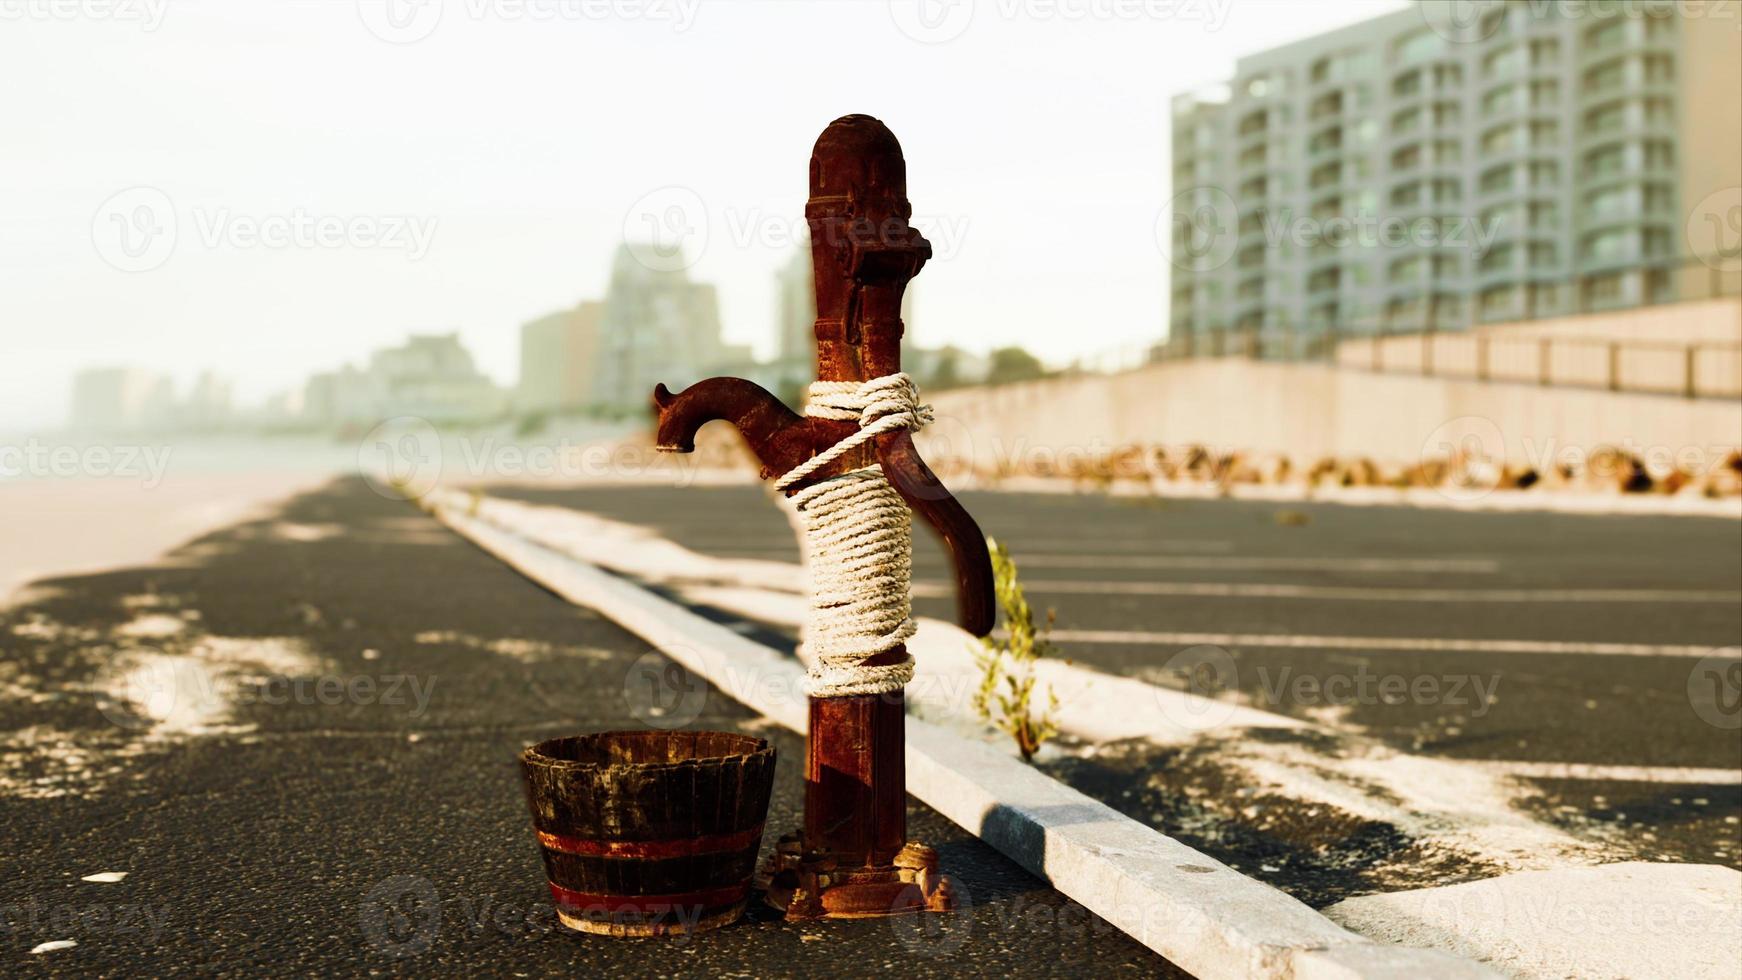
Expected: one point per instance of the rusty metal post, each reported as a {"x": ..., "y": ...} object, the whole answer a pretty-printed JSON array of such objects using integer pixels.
[{"x": 852, "y": 857}]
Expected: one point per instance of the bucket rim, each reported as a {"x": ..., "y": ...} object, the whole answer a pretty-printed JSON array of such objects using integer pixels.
[{"x": 538, "y": 753}]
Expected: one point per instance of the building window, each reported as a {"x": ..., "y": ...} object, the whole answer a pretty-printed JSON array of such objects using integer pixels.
[
  {"x": 1419, "y": 46},
  {"x": 1611, "y": 245},
  {"x": 1505, "y": 98},
  {"x": 1605, "y": 160},
  {"x": 1497, "y": 259},
  {"x": 1506, "y": 61}
]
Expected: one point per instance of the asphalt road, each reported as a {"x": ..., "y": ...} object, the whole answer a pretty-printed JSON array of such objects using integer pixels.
[
  {"x": 329, "y": 785},
  {"x": 1521, "y": 638}
]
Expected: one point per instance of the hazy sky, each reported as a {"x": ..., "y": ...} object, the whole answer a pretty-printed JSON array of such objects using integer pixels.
[{"x": 270, "y": 188}]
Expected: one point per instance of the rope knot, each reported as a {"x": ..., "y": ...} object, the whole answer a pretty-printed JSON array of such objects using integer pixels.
[
  {"x": 879, "y": 405},
  {"x": 858, "y": 543}
]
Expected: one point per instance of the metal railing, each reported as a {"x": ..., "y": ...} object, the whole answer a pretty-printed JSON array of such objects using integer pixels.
[
  {"x": 1693, "y": 369},
  {"x": 1483, "y": 351}
]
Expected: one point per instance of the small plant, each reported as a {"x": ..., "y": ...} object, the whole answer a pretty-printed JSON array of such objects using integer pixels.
[{"x": 1006, "y": 694}]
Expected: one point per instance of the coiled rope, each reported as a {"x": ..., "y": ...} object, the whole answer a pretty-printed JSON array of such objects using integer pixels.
[{"x": 859, "y": 542}]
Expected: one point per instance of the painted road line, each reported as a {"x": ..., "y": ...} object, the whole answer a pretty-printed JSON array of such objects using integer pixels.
[
  {"x": 1201, "y": 914},
  {"x": 1616, "y": 774},
  {"x": 1443, "y": 804},
  {"x": 1472, "y": 566},
  {"x": 1633, "y": 919},
  {"x": 1093, "y": 706},
  {"x": 1246, "y": 590},
  {"x": 1391, "y": 644}
]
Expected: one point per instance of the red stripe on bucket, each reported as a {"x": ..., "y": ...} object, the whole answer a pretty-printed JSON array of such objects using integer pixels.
[
  {"x": 653, "y": 849},
  {"x": 573, "y": 901}
]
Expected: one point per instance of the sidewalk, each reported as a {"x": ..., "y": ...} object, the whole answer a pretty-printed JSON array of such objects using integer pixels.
[{"x": 297, "y": 737}]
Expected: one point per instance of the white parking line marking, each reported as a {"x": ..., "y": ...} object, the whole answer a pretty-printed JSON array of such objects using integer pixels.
[
  {"x": 1402, "y": 644},
  {"x": 1620, "y": 774},
  {"x": 1256, "y": 563},
  {"x": 933, "y": 589}
]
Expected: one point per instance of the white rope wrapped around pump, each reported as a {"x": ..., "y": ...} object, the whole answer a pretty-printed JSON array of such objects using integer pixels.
[{"x": 859, "y": 542}]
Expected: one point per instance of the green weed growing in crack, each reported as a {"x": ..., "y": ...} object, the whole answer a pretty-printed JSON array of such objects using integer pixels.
[{"x": 1006, "y": 696}]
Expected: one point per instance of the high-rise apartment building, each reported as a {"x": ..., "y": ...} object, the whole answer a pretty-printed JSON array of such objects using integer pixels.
[
  {"x": 657, "y": 327},
  {"x": 1414, "y": 172}
]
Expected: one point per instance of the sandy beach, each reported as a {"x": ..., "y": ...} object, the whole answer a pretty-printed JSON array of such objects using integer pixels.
[{"x": 52, "y": 526}]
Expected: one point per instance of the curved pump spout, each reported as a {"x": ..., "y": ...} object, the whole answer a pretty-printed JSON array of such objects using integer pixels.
[{"x": 768, "y": 425}]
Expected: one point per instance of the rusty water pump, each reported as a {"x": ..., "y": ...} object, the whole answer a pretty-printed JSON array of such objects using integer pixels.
[{"x": 852, "y": 857}]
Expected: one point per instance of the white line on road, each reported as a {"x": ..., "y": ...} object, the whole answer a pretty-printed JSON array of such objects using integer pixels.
[
  {"x": 1620, "y": 774},
  {"x": 1257, "y": 563},
  {"x": 1389, "y": 643},
  {"x": 934, "y": 589}
]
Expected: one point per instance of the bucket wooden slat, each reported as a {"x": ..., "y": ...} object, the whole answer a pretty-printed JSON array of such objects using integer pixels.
[{"x": 647, "y": 833}]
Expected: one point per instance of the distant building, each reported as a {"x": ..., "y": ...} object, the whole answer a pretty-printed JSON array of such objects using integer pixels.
[
  {"x": 430, "y": 376},
  {"x": 657, "y": 326},
  {"x": 795, "y": 319},
  {"x": 345, "y": 395},
  {"x": 945, "y": 367},
  {"x": 559, "y": 360},
  {"x": 122, "y": 398},
  {"x": 1576, "y": 144},
  {"x": 210, "y": 404}
]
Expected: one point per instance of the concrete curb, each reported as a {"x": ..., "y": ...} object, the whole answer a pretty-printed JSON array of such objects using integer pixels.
[{"x": 1197, "y": 912}]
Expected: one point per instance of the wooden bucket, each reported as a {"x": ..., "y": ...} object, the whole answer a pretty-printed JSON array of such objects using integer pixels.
[{"x": 649, "y": 833}]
